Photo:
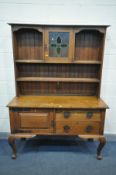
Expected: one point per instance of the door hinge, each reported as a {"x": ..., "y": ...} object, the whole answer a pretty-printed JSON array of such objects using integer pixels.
[{"x": 53, "y": 124}]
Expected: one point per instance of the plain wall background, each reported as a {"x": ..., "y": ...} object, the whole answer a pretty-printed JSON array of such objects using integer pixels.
[{"x": 92, "y": 12}]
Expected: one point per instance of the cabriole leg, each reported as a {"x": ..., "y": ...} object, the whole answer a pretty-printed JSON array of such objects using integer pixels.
[
  {"x": 100, "y": 147},
  {"x": 11, "y": 141}
]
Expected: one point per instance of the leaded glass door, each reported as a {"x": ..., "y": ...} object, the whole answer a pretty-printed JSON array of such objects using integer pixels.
[{"x": 58, "y": 45}]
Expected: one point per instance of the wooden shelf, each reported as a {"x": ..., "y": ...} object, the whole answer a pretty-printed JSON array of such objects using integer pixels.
[
  {"x": 58, "y": 79},
  {"x": 29, "y": 61},
  {"x": 75, "y": 62},
  {"x": 88, "y": 62}
]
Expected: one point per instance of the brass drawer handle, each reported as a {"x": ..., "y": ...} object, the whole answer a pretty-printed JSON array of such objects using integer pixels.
[
  {"x": 66, "y": 128},
  {"x": 89, "y": 129},
  {"x": 66, "y": 114},
  {"x": 89, "y": 115}
]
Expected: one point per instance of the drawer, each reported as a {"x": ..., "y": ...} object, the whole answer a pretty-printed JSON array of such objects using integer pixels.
[
  {"x": 34, "y": 120},
  {"x": 74, "y": 128},
  {"x": 78, "y": 116}
]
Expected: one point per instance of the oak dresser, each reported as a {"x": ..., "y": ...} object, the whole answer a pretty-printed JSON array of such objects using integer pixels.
[{"x": 58, "y": 77}]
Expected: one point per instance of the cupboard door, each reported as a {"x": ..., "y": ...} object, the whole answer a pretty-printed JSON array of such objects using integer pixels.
[
  {"x": 40, "y": 122},
  {"x": 58, "y": 44}
]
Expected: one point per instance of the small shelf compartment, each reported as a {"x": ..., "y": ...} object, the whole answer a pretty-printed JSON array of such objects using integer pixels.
[
  {"x": 28, "y": 44},
  {"x": 88, "y": 45}
]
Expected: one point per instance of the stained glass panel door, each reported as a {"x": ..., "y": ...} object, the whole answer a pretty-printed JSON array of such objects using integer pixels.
[{"x": 58, "y": 45}]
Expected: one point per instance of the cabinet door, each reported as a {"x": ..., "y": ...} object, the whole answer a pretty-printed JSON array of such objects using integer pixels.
[
  {"x": 39, "y": 122},
  {"x": 58, "y": 44}
]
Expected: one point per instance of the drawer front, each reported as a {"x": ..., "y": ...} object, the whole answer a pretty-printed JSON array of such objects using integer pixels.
[
  {"x": 78, "y": 116},
  {"x": 75, "y": 128}
]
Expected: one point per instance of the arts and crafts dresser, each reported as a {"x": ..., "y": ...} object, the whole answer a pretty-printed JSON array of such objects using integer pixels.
[{"x": 58, "y": 77}]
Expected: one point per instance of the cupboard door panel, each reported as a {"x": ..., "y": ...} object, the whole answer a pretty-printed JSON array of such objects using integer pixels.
[
  {"x": 40, "y": 121},
  {"x": 58, "y": 44},
  {"x": 33, "y": 120}
]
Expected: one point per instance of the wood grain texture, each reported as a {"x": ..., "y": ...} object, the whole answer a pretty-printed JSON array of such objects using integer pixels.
[
  {"x": 58, "y": 88},
  {"x": 58, "y": 70},
  {"x": 82, "y": 102},
  {"x": 34, "y": 120},
  {"x": 78, "y": 127},
  {"x": 78, "y": 116}
]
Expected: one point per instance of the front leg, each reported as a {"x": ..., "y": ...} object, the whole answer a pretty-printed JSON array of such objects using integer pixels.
[
  {"x": 100, "y": 147},
  {"x": 11, "y": 141},
  {"x": 102, "y": 141}
]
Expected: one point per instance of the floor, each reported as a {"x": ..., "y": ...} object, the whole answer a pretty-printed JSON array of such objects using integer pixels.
[{"x": 61, "y": 156}]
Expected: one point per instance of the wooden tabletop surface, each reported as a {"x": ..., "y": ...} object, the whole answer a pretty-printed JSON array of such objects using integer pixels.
[{"x": 81, "y": 102}]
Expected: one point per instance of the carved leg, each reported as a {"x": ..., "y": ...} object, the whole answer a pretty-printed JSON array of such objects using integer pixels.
[
  {"x": 13, "y": 137},
  {"x": 11, "y": 141},
  {"x": 102, "y": 141},
  {"x": 100, "y": 147}
]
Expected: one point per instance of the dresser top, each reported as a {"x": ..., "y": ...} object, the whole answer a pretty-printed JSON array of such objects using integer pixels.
[{"x": 80, "y": 102}]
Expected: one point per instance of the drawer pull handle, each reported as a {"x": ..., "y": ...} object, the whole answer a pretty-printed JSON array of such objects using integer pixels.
[
  {"x": 89, "y": 115},
  {"x": 89, "y": 129},
  {"x": 66, "y": 128},
  {"x": 66, "y": 114}
]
